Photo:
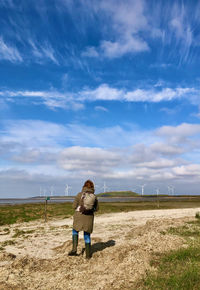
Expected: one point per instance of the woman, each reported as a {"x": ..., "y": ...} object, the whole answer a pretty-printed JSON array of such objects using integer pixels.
[{"x": 83, "y": 218}]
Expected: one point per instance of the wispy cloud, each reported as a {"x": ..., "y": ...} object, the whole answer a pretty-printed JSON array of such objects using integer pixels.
[
  {"x": 51, "y": 99},
  {"x": 180, "y": 25},
  {"x": 101, "y": 108},
  {"x": 70, "y": 100},
  {"x": 43, "y": 52},
  {"x": 8, "y": 52},
  {"x": 7, "y": 3}
]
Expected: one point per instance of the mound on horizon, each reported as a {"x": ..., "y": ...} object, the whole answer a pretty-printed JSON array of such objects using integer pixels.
[{"x": 118, "y": 194}]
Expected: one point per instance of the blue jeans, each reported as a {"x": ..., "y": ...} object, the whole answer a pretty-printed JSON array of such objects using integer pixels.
[{"x": 87, "y": 238}]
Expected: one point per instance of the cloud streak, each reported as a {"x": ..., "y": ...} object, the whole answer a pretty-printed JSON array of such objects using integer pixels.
[
  {"x": 70, "y": 100},
  {"x": 8, "y": 52}
]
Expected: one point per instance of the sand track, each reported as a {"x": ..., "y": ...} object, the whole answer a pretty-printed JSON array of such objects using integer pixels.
[{"x": 34, "y": 255}]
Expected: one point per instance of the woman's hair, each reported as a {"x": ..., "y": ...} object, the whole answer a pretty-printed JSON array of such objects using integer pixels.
[{"x": 89, "y": 184}]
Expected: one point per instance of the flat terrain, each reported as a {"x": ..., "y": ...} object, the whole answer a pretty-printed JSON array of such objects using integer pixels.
[{"x": 33, "y": 255}]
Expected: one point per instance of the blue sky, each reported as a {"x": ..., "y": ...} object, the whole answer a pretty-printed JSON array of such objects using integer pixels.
[{"x": 107, "y": 90}]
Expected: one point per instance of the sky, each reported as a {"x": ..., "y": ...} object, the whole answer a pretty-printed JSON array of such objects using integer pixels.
[{"x": 99, "y": 89}]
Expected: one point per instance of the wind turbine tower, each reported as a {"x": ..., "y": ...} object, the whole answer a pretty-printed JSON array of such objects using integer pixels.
[
  {"x": 157, "y": 191},
  {"x": 142, "y": 186},
  {"x": 52, "y": 190},
  {"x": 104, "y": 187},
  {"x": 40, "y": 191},
  {"x": 171, "y": 189},
  {"x": 44, "y": 192},
  {"x": 67, "y": 190}
]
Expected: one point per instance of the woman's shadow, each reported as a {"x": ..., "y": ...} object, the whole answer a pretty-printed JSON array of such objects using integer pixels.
[{"x": 100, "y": 246}]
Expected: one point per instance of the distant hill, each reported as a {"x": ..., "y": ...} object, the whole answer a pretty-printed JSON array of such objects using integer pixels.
[{"x": 118, "y": 194}]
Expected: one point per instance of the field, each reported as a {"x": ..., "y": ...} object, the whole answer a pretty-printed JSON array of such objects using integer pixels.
[
  {"x": 134, "y": 245},
  {"x": 10, "y": 214}
]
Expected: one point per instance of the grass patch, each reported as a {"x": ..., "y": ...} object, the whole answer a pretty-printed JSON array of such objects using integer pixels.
[
  {"x": 19, "y": 233},
  {"x": 179, "y": 269},
  {"x": 197, "y": 215},
  {"x": 7, "y": 243},
  {"x": 5, "y": 231},
  {"x": 10, "y": 214},
  {"x": 186, "y": 231}
]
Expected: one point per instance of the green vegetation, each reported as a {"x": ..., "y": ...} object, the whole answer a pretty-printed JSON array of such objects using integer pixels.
[
  {"x": 19, "y": 233},
  {"x": 10, "y": 214},
  {"x": 197, "y": 216},
  {"x": 5, "y": 231},
  {"x": 178, "y": 269},
  {"x": 118, "y": 194},
  {"x": 7, "y": 243}
]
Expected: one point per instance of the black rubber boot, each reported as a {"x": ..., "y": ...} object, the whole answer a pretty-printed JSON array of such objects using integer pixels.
[
  {"x": 88, "y": 251},
  {"x": 73, "y": 252}
]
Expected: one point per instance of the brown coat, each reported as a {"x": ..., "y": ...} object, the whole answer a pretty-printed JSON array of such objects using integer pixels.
[{"x": 83, "y": 222}]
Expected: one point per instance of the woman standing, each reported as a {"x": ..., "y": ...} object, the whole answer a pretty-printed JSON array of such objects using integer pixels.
[{"x": 85, "y": 204}]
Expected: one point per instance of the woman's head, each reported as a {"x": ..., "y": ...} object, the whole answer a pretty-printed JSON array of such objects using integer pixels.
[{"x": 89, "y": 184}]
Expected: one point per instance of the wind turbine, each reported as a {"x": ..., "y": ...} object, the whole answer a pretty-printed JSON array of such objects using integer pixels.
[
  {"x": 142, "y": 187},
  {"x": 157, "y": 191},
  {"x": 40, "y": 191},
  {"x": 67, "y": 190},
  {"x": 171, "y": 189},
  {"x": 96, "y": 186},
  {"x": 44, "y": 192},
  {"x": 52, "y": 190},
  {"x": 104, "y": 187}
]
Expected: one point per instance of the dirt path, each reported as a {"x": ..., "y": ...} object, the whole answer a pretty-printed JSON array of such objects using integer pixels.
[{"x": 34, "y": 255}]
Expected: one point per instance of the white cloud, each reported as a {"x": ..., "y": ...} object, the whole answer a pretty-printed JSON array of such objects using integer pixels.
[
  {"x": 159, "y": 163},
  {"x": 167, "y": 149},
  {"x": 126, "y": 21},
  {"x": 180, "y": 133},
  {"x": 191, "y": 170},
  {"x": 101, "y": 108},
  {"x": 90, "y": 52},
  {"x": 44, "y": 149},
  {"x": 8, "y": 52},
  {"x": 54, "y": 99},
  {"x": 105, "y": 92},
  {"x": 33, "y": 134},
  {"x": 43, "y": 52},
  {"x": 119, "y": 48},
  {"x": 88, "y": 159}
]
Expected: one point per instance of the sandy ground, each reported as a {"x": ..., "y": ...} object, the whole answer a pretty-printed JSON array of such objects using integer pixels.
[{"x": 34, "y": 255}]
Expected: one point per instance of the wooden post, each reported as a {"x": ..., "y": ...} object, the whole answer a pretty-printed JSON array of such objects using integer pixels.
[{"x": 45, "y": 208}]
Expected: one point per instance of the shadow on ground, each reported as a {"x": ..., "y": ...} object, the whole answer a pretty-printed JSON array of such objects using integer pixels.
[{"x": 100, "y": 246}]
